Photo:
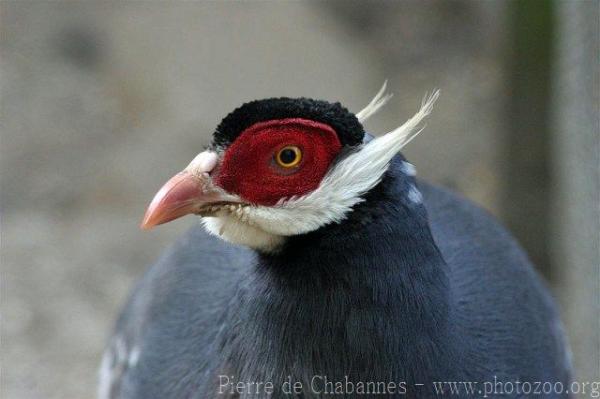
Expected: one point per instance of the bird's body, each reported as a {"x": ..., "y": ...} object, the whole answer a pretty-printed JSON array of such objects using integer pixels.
[
  {"x": 414, "y": 287},
  {"x": 472, "y": 311}
]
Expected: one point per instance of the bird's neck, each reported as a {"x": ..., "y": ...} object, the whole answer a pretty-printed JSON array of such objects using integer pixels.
[{"x": 367, "y": 298}]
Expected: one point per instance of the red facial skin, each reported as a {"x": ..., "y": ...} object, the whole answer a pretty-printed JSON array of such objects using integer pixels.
[{"x": 249, "y": 169}]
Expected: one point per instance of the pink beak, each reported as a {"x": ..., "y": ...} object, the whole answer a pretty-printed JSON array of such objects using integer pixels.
[{"x": 185, "y": 193}]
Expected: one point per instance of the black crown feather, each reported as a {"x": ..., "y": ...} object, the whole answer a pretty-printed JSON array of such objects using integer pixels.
[{"x": 347, "y": 126}]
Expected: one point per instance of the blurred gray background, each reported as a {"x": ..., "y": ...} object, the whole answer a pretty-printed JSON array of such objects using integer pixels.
[{"x": 102, "y": 102}]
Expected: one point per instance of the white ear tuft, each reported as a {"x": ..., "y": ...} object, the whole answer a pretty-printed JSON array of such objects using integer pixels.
[
  {"x": 376, "y": 103},
  {"x": 399, "y": 137}
]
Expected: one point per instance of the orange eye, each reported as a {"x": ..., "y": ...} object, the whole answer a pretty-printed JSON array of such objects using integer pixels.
[{"x": 288, "y": 156}]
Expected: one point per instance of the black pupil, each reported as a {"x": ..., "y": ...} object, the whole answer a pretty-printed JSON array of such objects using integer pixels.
[{"x": 287, "y": 156}]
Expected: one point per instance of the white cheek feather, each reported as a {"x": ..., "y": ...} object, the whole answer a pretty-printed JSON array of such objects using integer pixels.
[
  {"x": 344, "y": 185},
  {"x": 233, "y": 229}
]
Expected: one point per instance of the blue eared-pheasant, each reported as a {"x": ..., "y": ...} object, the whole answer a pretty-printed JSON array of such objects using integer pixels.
[{"x": 321, "y": 259}]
